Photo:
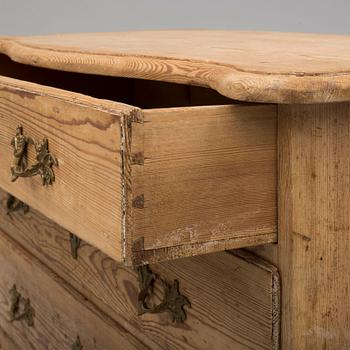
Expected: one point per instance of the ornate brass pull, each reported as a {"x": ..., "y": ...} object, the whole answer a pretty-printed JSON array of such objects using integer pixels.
[
  {"x": 27, "y": 313},
  {"x": 173, "y": 302},
  {"x": 45, "y": 160},
  {"x": 14, "y": 204},
  {"x": 77, "y": 344}
]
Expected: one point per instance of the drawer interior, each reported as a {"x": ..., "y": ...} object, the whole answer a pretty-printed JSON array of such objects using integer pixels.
[{"x": 136, "y": 92}]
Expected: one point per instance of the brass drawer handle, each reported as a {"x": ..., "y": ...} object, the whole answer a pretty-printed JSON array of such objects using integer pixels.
[
  {"x": 19, "y": 313},
  {"x": 45, "y": 160},
  {"x": 173, "y": 301}
]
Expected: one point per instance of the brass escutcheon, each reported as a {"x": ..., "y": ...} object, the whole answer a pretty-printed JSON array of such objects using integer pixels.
[
  {"x": 45, "y": 160},
  {"x": 172, "y": 302},
  {"x": 27, "y": 312}
]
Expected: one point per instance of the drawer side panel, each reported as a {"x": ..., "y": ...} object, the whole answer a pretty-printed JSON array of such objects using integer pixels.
[{"x": 207, "y": 182}]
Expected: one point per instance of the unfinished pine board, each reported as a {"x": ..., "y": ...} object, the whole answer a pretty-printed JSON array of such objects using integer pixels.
[
  {"x": 207, "y": 180},
  {"x": 61, "y": 313},
  {"x": 314, "y": 219},
  {"x": 313, "y": 245},
  {"x": 249, "y": 66},
  {"x": 6, "y": 343},
  {"x": 235, "y": 298}
]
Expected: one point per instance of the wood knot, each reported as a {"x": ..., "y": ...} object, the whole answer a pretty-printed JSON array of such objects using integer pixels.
[{"x": 139, "y": 202}]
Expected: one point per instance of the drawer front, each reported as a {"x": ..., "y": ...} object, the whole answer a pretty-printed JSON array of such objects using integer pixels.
[
  {"x": 85, "y": 136},
  {"x": 234, "y": 298},
  {"x": 206, "y": 180},
  {"x": 38, "y": 310}
]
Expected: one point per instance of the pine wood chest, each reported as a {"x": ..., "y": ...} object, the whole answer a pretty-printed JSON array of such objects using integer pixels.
[{"x": 139, "y": 168}]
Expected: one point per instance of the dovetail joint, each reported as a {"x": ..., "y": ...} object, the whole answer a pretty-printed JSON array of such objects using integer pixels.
[{"x": 138, "y": 251}]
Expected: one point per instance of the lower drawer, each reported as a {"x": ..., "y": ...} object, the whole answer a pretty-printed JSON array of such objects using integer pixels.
[
  {"x": 38, "y": 310},
  {"x": 234, "y": 298}
]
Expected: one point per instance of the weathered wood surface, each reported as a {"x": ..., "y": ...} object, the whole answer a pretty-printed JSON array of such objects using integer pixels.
[
  {"x": 314, "y": 222},
  {"x": 268, "y": 252},
  {"x": 207, "y": 179},
  {"x": 85, "y": 135},
  {"x": 61, "y": 313},
  {"x": 235, "y": 299},
  {"x": 6, "y": 343},
  {"x": 207, "y": 174},
  {"x": 248, "y": 66}
]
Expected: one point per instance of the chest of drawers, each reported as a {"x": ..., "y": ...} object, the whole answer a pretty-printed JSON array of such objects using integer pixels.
[{"x": 132, "y": 162}]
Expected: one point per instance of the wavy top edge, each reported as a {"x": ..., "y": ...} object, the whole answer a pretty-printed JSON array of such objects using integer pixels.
[{"x": 234, "y": 68}]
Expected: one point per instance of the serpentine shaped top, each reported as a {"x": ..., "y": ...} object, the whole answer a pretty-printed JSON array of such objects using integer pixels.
[{"x": 246, "y": 66}]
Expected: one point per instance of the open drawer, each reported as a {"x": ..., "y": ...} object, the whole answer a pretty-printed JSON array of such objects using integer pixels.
[{"x": 183, "y": 173}]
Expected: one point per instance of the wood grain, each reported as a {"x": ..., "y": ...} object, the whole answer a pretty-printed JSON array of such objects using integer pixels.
[
  {"x": 247, "y": 66},
  {"x": 137, "y": 92},
  {"x": 208, "y": 179},
  {"x": 6, "y": 343},
  {"x": 235, "y": 299},
  {"x": 314, "y": 219},
  {"x": 87, "y": 141},
  {"x": 61, "y": 314},
  {"x": 268, "y": 252},
  {"x": 213, "y": 188}
]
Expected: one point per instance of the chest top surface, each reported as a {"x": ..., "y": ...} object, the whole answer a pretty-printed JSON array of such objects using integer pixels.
[{"x": 247, "y": 66}]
